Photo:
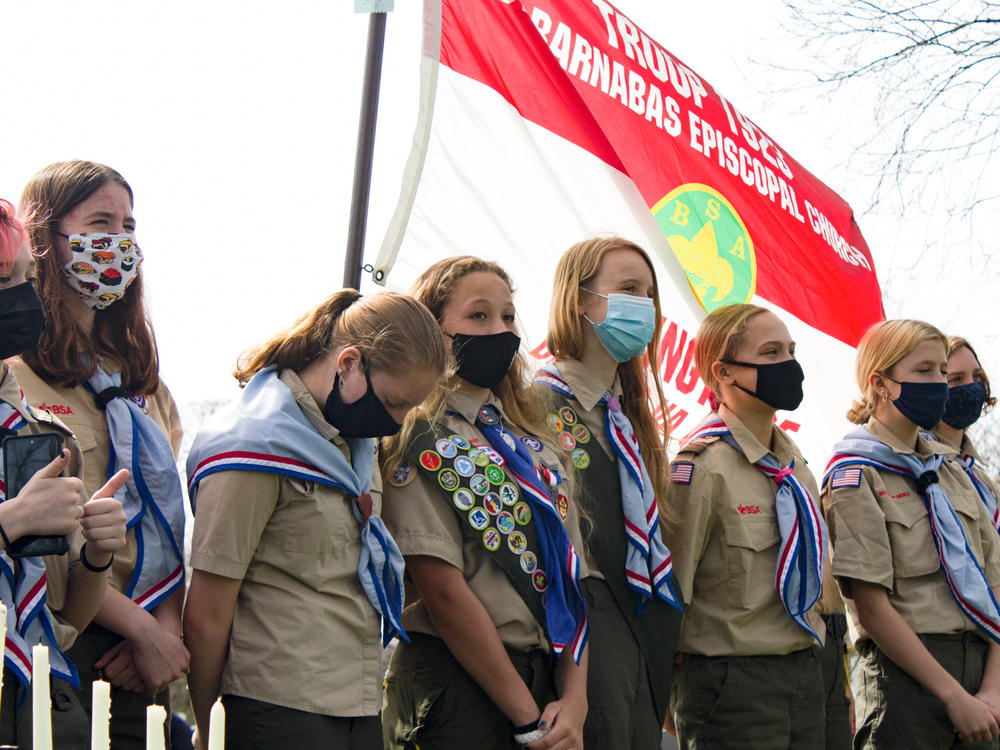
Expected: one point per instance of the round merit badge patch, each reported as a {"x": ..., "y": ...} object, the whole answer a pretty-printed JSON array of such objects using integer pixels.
[
  {"x": 494, "y": 474},
  {"x": 580, "y": 458},
  {"x": 491, "y": 539},
  {"x": 505, "y": 522},
  {"x": 567, "y": 441},
  {"x": 479, "y": 457},
  {"x": 479, "y": 519},
  {"x": 567, "y": 415},
  {"x": 555, "y": 424},
  {"x": 508, "y": 493},
  {"x": 522, "y": 514},
  {"x": 463, "y": 499},
  {"x": 446, "y": 448},
  {"x": 464, "y": 466},
  {"x": 492, "y": 503},
  {"x": 581, "y": 433},
  {"x": 459, "y": 441},
  {"x": 529, "y": 562},
  {"x": 479, "y": 484},
  {"x": 539, "y": 581},
  {"x": 517, "y": 542},
  {"x": 448, "y": 479},
  {"x": 430, "y": 460}
]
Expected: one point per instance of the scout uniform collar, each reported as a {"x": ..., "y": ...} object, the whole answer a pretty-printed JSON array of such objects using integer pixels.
[
  {"x": 468, "y": 405},
  {"x": 925, "y": 447},
  {"x": 968, "y": 449},
  {"x": 309, "y": 406},
  {"x": 784, "y": 450},
  {"x": 587, "y": 389}
]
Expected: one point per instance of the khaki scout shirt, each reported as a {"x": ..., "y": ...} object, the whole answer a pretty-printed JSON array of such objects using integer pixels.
[
  {"x": 881, "y": 534},
  {"x": 725, "y": 548},
  {"x": 304, "y": 634},
  {"x": 57, "y": 567},
  {"x": 76, "y": 407},
  {"x": 589, "y": 391},
  {"x": 968, "y": 449},
  {"x": 423, "y": 523}
]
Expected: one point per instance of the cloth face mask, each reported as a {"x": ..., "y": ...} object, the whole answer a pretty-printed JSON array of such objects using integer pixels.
[
  {"x": 921, "y": 403},
  {"x": 779, "y": 384},
  {"x": 628, "y": 326},
  {"x": 965, "y": 404},
  {"x": 366, "y": 417},
  {"x": 103, "y": 266},
  {"x": 484, "y": 360},
  {"x": 22, "y": 319}
]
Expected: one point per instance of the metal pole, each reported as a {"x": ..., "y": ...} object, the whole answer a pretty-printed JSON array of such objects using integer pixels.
[{"x": 364, "y": 153}]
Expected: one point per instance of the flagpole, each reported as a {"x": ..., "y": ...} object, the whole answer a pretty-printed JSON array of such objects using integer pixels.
[{"x": 364, "y": 153}]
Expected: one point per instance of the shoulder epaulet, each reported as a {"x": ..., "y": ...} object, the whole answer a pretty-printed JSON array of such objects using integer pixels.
[{"x": 697, "y": 446}]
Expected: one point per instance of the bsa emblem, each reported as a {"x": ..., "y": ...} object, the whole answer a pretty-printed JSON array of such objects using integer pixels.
[
  {"x": 532, "y": 443},
  {"x": 581, "y": 433},
  {"x": 522, "y": 514},
  {"x": 479, "y": 457},
  {"x": 555, "y": 424},
  {"x": 463, "y": 499},
  {"x": 492, "y": 504},
  {"x": 464, "y": 466},
  {"x": 508, "y": 493},
  {"x": 517, "y": 542},
  {"x": 505, "y": 522},
  {"x": 529, "y": 562},
  {"x": 446, "y": 448},
  {"x": 580, "y": 458},
  {"x": 491, "y": 539},
  {"x": 568, "y": 416},
  {"x": 539, "y": 581},
  {"x": 402, "y": 475},
  {"x": 140, "y": 401},
  {"x": 494, "y": 474},
  {"x": 479, "y": 484},
  {"x": 563, "y": 504},
  {"x": 459, "y": 442},
  {"x": 430, "y": 460},
  {"x": 567, "y": 441},
  {"x": 479, "y": 519},
  {"x": 448, "y": 479}
]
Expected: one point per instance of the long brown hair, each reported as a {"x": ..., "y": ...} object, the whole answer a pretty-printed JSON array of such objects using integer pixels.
[
  {"x": 520, "y": 404},
  {"x": 122, "y": 333},
  {"x": 575, "y": 269},
  {"x": 393, "y": 332}
]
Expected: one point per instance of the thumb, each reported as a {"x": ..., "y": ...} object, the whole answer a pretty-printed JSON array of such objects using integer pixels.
[
  {"x": 56, "y": 467},
  {"x": 112, "y": 485},
  {"x": 549, "y": 715}
]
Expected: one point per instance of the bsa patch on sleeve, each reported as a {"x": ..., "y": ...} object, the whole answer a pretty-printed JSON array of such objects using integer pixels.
[
  {"x": 681, "y": 472},
  {"x": 849, "y": 477},
  {"x": 402, "y": 475}
]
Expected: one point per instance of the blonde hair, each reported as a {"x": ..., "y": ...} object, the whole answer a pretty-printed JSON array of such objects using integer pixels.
[
  {"x": 882, "y": 346},
  {"x": 521, "y": 406},
  {"x": 393, "y": 332},
  {"x": 955, "y": 343},
  {"x": 578, "y": 266},
  {"x": 720, "y": 336}
]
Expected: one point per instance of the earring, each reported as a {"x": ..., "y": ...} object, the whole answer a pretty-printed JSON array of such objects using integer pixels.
[{"x": 885, "y": 396}]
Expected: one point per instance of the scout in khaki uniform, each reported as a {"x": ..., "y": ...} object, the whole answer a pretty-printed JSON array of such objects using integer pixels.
[
  {"x": 293, "y": 567},
  {"x": 605, "y": 316},
  {"x": 483, "y": 511},
  {"x": 96, "y": 368},
  {"x": 49, "y": 504},
  {"x": 915, "y": 553},
  {"x": 748, "y": 671},
  {"x": 833, "y": 662},
  {"x": 969, "y": 396}
]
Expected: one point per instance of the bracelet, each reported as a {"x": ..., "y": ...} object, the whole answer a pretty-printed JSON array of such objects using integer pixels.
[
  {"x": 6, "y": 541},
  {"x": 94, "y": 568},
  {"x": 527, "y": 738}
]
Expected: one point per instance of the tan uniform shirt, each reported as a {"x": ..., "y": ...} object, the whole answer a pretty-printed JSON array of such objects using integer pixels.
[
  {"x": 304, "y": 634},
  {"x": 881, "y": 534},
  {"x": 725, "y": 548},
  {"x": 979, "y": 469},
  {"x": 76, "y": 407},
  {"x": 57, "y": 567},
  {"x": 423, "y": 523},
  {"x": 589, "y": 391}
]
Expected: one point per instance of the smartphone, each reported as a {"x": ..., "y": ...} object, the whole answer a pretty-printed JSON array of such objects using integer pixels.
[{"x": 23, "y": 455}]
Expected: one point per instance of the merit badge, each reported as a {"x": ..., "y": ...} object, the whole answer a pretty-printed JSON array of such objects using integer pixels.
[
  {"x": 479, "y": 519},
  {"x": 567, "y": 441},
  {"x": 448, "y": 479},
  {"x": 402, "y": 475},
  {"x": 479, "y": 484},
  {"x": 529, "y": 562},
  {"x": 681, "y": 472},
  {"x": 505, "y": 521},
  {"x": 568, "y": 415},
  {"x": 532, "y": 443},
  {"x": 492, "y": 504},
  {"x": 580, "y": 458},
  {"x": 539, "y": 581},
  {"x": 479, "y": 457},
  {"x": 517, "y": 542},
  {"x": 464, "y": 466},
  {"x": 491, "y": 539},
  {"x": 489, "y": 415},
  {"x": 563, "y": 504},
  {"x": 581, "y": 433},
  {"x": 555, "y": 424},
  {"x": 508, "y": 493},
  {"x": 430, "y": 460},
  {"x": 446, "y": 448},
  {"x": 463, "y": 499},
  {"x": 522, "y": 514},
  {"x": 494, "y": 474},
  {"x": 459, "y": 441}
]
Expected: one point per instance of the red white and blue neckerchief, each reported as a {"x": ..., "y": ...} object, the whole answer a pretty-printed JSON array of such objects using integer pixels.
[
  {"x": 648, "y": 566},
  {"x": 965, "y": 578},
  {"x": 799, "y": 573},
  {"x": 22, "y": 590},
  {"x": 265, "y": 429},
  {"x": 152, "y": 498},
  {"x": 565, "y": 610}
]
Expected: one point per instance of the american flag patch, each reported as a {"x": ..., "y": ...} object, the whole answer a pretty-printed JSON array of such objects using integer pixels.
[
  {"x": 850, "y": 477},
  {"x": 681, "y": 472}
]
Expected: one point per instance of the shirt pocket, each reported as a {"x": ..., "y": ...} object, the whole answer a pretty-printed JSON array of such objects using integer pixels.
[
  {"x": 314, "y": 518},
  {"x": 751, "y": 556},
  {"x": 913, "y": 550},
  {"x": 968, "y": 509}
]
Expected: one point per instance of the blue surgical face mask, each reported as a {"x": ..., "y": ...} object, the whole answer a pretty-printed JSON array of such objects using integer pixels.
[
  {"x": 628, "y": 327},
  {"x": 922, "y": 403},
  {"x": 965, "y": 404}
]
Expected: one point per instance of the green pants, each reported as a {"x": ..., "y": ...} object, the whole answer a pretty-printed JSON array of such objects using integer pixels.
[
  {"x": 256, "y": 725},
  {"x": 70, "y": 726},
  {"x": 895, "y": 711},
  {"x": 749, "y": 702},
  {"x": 431, "y": 703},
  {"x": 838, "y": 717}
]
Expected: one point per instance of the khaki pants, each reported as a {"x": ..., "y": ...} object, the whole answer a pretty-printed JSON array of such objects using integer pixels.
[
  {"x": 896, "y": 711},
  {"x": 70, "y": 726},
  {"x": 256, "y": 725},
  {"x": 431, "y": 703},
  {"x": 749, "y": 702},
  {"x": 838, "y": 718}
]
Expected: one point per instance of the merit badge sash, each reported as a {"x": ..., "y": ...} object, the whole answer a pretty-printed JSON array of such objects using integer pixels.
[
  {"x": 802, "y": 555},
  {"x": 22, "y": 590},
  {"x": 965, "y": 578}
]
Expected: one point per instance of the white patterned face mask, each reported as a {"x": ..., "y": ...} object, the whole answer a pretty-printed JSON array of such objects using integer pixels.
[{"x": 102, "y": 267}]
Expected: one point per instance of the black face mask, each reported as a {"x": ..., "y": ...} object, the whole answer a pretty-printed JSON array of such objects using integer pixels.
[
  {"x": 922, "y": 403},
  {"x": 484, "y": 360},
  {"x": 366, "y": 417},
  {"x": 779, "y": 384},
  {"x": 965, "y": 404},
  {"x": 22, "y": 320}
]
